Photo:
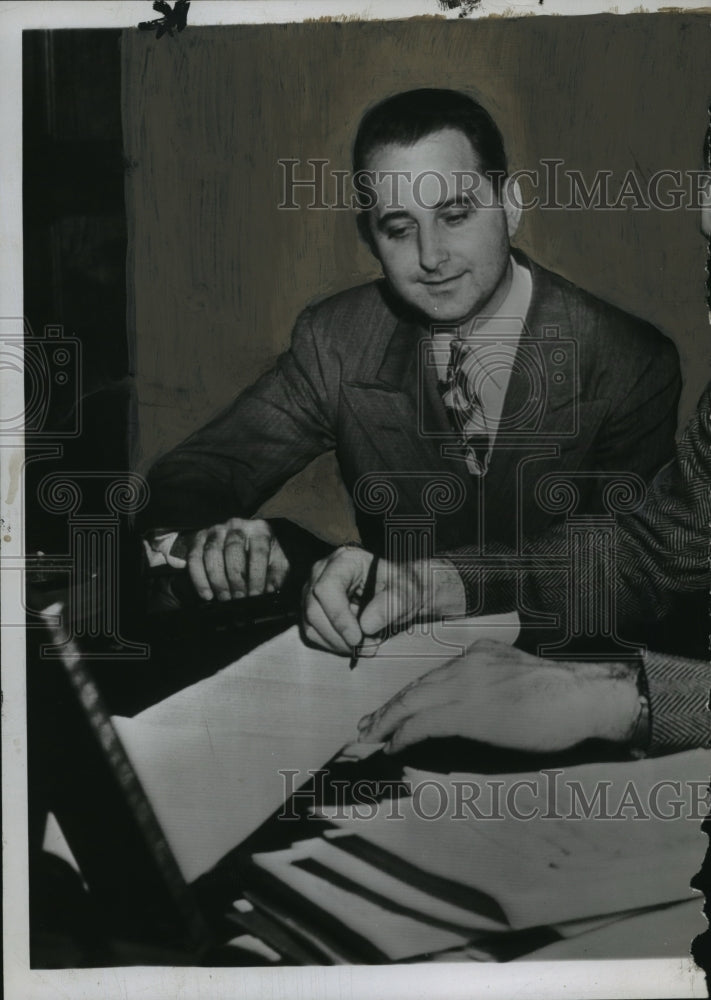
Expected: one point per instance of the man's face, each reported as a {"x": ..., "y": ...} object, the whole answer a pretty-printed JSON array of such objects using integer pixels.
[{"x": 444, "y": 253}]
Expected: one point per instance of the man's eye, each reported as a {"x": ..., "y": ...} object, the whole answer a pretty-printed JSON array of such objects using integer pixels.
[
  {"x": 399, "y": 232},
  {"x": 455, "y": 218}
]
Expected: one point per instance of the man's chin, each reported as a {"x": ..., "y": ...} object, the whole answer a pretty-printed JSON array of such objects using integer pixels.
[{"x": 448, "y": 312}]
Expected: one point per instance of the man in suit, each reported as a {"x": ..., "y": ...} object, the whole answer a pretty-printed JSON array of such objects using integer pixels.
[
  {"x": 654, "y": 704},
  {"x": 448, "y": 390}
]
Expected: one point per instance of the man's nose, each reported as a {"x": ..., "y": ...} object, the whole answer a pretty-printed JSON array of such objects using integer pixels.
[{"x": 432, "y": 248}]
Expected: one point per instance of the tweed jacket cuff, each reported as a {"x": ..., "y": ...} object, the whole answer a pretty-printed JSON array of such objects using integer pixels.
[{"x": 679, "y": 692}]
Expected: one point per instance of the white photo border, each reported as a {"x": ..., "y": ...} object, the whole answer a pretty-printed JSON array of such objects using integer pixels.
[{"x": 659, "y": 978}]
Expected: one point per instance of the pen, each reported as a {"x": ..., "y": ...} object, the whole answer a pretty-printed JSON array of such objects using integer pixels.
[{"x": 365, "y": 598}]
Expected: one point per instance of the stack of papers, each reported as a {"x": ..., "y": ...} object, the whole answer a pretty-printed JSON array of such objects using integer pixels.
[
  {"x": 213, "y": 758},
  {"x": 408, "y": 884}
]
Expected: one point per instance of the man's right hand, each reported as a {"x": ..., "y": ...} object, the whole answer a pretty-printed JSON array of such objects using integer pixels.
[
  {"x": 404, "y": 592},
  {"x": 238, "y": 558}
]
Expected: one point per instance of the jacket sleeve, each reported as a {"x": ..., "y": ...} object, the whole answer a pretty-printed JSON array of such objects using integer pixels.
[
  {"x": 268, "y": 433},
  {"x": 638, "y": 434},
  {"x": 679, "y": 716},
  {"x": 661, "y": 548}
]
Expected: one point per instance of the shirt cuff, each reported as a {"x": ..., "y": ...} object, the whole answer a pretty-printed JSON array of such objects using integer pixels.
[{"x": 158, "y": 548}]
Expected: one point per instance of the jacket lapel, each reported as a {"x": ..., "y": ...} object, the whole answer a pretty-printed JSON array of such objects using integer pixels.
[
  {"x": 384, "y": 404},
  {"x": 402, "y": 419},
  {"x": 541, "y": 415}
]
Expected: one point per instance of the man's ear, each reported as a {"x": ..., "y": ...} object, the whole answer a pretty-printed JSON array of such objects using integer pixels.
[
  {"x": 363, "y": 223},
  {"x": 512, "y": 203}
]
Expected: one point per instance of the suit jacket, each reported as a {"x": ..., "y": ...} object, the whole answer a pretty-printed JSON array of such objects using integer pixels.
[{"x": 594, "y": 390}]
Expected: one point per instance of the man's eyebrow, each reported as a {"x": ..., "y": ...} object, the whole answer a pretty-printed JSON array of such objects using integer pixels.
[{"x": 456, "y": 201}]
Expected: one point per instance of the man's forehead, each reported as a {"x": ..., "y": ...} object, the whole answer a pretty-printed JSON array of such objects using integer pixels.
[{"x": 447, "y": 150}]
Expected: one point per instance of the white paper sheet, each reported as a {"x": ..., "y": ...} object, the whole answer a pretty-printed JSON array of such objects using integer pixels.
[
  {"x": 554, "y": 868},
  {"x": 210, "y": 756}
]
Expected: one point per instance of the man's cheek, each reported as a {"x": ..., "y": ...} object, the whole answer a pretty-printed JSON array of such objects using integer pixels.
[
  {"x": 397, "y": 266},
  {"x": 383, "y": 251}
]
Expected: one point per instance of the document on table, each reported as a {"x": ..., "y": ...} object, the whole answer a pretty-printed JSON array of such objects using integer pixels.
[
  {"x": 610, "y": 837},
  {"x": 210, "y": 757},
  {"x": 582, "y": 848}
]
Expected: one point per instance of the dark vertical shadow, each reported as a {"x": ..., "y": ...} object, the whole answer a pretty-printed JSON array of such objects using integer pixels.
[{"x": 74, "y": 231}]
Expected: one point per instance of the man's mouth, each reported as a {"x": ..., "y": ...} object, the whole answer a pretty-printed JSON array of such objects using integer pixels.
[{"x": 440, "y": 282}]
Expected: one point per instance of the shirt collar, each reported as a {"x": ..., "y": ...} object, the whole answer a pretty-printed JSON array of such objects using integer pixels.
[{"x": 510, "y": 316}]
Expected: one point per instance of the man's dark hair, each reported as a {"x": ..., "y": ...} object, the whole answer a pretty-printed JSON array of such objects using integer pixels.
[{"x": 406, "y": 118}]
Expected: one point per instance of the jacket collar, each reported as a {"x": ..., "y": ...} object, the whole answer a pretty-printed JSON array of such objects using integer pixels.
[{"x": 396, "y": 365}]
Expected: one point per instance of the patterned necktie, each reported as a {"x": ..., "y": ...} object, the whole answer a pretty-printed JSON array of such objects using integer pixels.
[{"x": 464, "y": 407}]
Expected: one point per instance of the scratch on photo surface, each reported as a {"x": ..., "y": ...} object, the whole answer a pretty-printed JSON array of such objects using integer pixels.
[{"x": 209, "y": 738}]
